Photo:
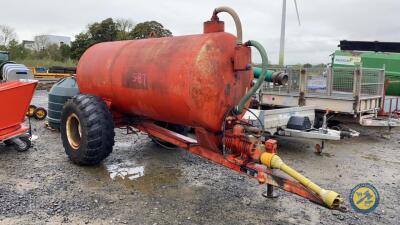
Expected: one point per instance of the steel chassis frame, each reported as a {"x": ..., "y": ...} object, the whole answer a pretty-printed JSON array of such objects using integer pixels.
[{"x": 264, "y": 175}]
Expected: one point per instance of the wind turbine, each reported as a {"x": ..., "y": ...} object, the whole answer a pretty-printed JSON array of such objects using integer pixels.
[{"x": 283, "y": 28}]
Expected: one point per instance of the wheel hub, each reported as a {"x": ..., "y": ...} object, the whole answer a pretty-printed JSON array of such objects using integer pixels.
[
  {"x": 74, "y": 132},
  {"x": 40, "y": 114}
]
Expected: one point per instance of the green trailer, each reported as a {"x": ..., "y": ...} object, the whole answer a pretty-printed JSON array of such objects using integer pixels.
[{"x": 375, "y": 55}]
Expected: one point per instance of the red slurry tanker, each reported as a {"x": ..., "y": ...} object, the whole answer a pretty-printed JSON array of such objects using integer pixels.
[{"x": 160, "y": 86}]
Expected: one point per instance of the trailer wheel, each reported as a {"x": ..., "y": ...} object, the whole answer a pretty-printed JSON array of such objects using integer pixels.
[
  {"x": 24, "y": 144},
  {"x": 40, "y": 113},
  {"x": 31, "y": 110},
  {"x": 21, "y": 143},
  {"x": 87, "y": 130}
]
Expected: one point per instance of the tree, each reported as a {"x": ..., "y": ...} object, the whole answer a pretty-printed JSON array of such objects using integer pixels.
[
  {"x": 17, "y": 51},
  {"x": 145, "y": 29},
  {"x": 65, "y": 51},
  {"x": 42, "y": 49},
  {"x": 7, "y": 34},
  {"x": 106, "y": 30},
  {"x": 53, "y": 52},
  {"x": 79, "y": 46},
  {"x": 307, "y": 65},
  {"x": 320, "y": 65},
  {"x": 110, "y": 30},
  {"x": 124, "y": 27},
  {"x": 41, "y": 42}
]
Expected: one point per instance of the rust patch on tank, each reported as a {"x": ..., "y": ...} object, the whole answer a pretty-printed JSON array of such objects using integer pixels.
[
  {"x": 203, "y": 62},
  {"x": 227, "y": 90},
  {"x": 202, "y": 89}
]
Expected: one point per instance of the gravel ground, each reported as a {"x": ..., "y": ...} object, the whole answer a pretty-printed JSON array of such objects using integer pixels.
[{"x": 41, "y": 186}]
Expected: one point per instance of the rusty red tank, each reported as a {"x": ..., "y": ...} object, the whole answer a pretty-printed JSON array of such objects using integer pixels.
[{"x": 189, "y": 80}]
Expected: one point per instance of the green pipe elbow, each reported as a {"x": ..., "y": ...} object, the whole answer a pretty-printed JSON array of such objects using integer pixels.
[{"x": 261, "y": 78}]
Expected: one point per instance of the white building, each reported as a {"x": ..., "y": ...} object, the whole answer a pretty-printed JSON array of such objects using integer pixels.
[
  {"x": 53, "y": 39},
  {"x": 28, "y": 44},
  {"x": 42, "y": 41}
]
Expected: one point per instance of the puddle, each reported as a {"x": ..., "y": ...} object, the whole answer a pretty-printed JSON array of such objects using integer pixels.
[
  {"x": 147, "y": 172},
  {"x": 371, "y": 157},
  {"x": 123, "y": 145},
  {"x": 375, "y": 158},
  {"x": 146, "y": 178},
  {"x": 34, "y": 137},
  {"x": 326, "y": 154},
  {"x": 122, "y": 171}
]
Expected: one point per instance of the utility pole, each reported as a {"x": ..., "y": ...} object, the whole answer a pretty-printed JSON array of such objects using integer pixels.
[{"x": 282, "y": 42}]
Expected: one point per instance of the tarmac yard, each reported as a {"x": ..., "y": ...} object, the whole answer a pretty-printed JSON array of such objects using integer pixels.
[{"x": 142, "y": 183}]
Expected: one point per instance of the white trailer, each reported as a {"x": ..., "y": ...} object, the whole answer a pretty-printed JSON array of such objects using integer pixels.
[
  {"x": 356, "y": 92},
  {"x": 277, "y": 122}
]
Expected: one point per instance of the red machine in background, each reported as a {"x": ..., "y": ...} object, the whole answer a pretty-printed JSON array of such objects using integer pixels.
[
  {"x": 15, "y": 97},
  {"x": 161, "y": 85}
]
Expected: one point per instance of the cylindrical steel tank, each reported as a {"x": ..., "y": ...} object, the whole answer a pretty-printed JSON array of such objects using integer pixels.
[{"x": 189, "y": 80}]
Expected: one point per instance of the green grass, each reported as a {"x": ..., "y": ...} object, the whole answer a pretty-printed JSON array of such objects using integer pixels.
[{"x": 45, "y": 62}]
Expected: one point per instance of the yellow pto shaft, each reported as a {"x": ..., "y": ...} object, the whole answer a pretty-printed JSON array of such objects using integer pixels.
[{"x": 330, "y": 198}]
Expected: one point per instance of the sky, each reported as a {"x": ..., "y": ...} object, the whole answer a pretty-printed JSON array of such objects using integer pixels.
[{"x": 323, "y": 23}]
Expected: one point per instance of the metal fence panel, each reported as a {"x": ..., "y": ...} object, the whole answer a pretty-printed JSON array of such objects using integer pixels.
[
  {"x": 344, "y": 82},
  {"x": 316, "y": 81},
  {"x": 372, "y": 82}
]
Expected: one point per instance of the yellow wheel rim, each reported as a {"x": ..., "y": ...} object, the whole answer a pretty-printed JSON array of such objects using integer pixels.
[
  {"x": 40, "y": 114},
  {"x": 31, "y": 110},
  {"x": 74, "y": 131}
]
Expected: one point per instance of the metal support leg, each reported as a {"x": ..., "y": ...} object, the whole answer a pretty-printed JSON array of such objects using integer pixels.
[
  {"x": 270, "y": 192},
  {"x": 318, "y": 148}
]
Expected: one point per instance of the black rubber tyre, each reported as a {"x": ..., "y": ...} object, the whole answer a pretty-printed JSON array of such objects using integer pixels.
[
  {"x": 87, "y": 130},
  {"x": 8, "y": 143},
  {"x": 40, "y": 113},
  {"x": 20, "y": 148},
  {"x": 27, "y": 144}
]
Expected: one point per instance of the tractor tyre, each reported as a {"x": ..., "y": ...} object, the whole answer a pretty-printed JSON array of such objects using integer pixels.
[{"x": 87, "y": 129}]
